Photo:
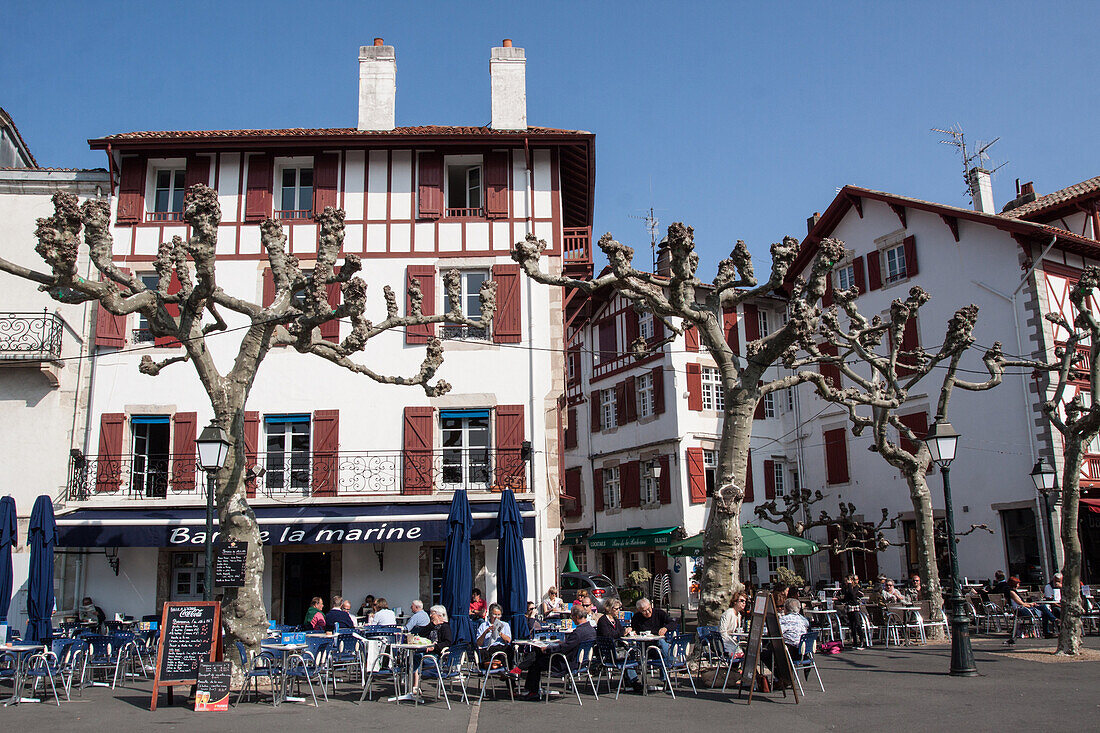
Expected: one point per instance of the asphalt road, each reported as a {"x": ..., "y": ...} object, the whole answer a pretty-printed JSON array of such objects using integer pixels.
[{"x": 897, "y": 689}]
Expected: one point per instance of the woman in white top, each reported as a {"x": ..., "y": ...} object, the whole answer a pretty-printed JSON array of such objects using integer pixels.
[
  {"x": 552, "y": 603},
  {"x": 383, "y": 616},
  {"x": 731, "y": 622}
]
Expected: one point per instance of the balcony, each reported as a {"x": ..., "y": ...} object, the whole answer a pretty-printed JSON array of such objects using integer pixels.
[
  {"x": 163, "y": 216},
  {"x": 32, "y": 340},
  {"x": 577, "y": 246},
  {"x": 475, "y": 212},
  {"x": 1083, "y": 368},
  {"x": 286, "y": 476},
  {"x": 292, "y": 214}
]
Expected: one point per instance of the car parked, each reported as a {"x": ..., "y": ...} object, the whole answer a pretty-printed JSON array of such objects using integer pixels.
[{"x": 599, "y": 587}]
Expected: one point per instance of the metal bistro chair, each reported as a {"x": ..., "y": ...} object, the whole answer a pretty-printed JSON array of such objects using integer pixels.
[
  {"x": 498, "y": 673},
  {"x": 611, "y": 658},
  {"x": 102, "y": 654},
  {"x": 347, "y": 656},
  {"x": 43, "y": 666},
  {"x": 929, "y": 619},
  {"x": 677, "y": 663},
  {"x": 444, "y": 668},
  {"x": 805, "y": 661},
  {"x": 261, "y": 665},
  {"x": 310, "y": 664},
  {"x": 572, "y": 667},
  {"x": 379, "y": 663}
]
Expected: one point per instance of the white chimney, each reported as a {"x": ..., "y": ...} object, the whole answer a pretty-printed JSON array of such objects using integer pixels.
[
  {"x": 377, "y": 86},
  {"x": 508, "y": 75},
  {"x": 981, "y": 190}
]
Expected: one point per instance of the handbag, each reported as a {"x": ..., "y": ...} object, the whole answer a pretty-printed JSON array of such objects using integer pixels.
[{"x": 831, "y": 647}]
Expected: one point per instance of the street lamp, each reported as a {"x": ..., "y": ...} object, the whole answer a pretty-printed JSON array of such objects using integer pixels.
[
  {"x": 213, "y": 446},
  {"x": 942, "y": 440},
  {"x": 1046, "y": 483}
]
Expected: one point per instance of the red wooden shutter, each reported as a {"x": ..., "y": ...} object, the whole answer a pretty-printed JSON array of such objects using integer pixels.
[
  {"x": 326, "y": 178},
  {"x": 658, "y": 390},
  {"x": 827, "y": 297},
  {"x": 184, "y": 464},
  {"x": 769, "y": 480},
  {"x": 109, "y": 461},
  {"x": 330, "y": 329},
  {"x": 909, "y": 342},
  {"x": 630, "y": 391},
  {"x": 261, "y": 183},
  {"x": 828, "y": 369},
  {"x": 110, "y": 330},
  {"x": 173, "y": 310},
  {"x": 496, "y": 184},
  {"x": 909, "y": 247},
  {"x": 571, "y": 428},
  {"x": 572, "y": 494},
  {"x": 697, "y": 477},
  {"x": 508, "y": 322},
  {"x": 874, "y": 270},
  {"x": 198, "y": 170},
  {"x": 509, "y": 435},
  {"x": 664, "y": 483},
  {"x": 251, "y": 451},
  {"x": 268, "y": 287},
  {"x": 632, "y": 317},
  {"x": 918, "y": 423},
  {"x": 597, "y": 489},
  {"x": 430, "y": 184},
  {"x": 326, "y": 443},
  {"x": 695, "y": 387},
  {"x": 752, "y": 322},
  {"x": 758, "y": 413},
  {"x": 608, "y": 343},
  {"x": 131, "y": 191},
  {"x": 425, "y": 275},
  {"x": 620, "y": 404},
  {"x": 836, "y": 563},
  {"x": 836, "y": 456},
  {"x": 658, "y": 329},
  {"x": 750, "y": 495},
  {"x": 729, "y": 328},
  {"x": 858, "y": 276},
  {"x": 417, "y": 458},
  {"x": 630, "y": 484},
  {"x": 691, "y": 338},
  {"x": 594, "y": 413}
]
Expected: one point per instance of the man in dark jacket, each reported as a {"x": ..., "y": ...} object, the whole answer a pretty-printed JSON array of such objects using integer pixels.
[
  {"x": 338, "y": 616},
  {"x": 583, "y": 632}
]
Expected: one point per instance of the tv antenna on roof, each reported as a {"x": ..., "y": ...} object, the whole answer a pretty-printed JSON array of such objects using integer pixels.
[
  {"x": 971, "y": 160},
  {"x": 651, "y": 224}
]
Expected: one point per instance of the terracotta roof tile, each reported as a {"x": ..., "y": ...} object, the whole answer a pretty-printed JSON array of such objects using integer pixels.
[
  {"x": 426, "y": 130},
  {"x": 1055, "y": 199}
]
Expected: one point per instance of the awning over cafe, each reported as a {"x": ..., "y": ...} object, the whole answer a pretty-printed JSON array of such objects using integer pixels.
[
  {"x": 574, "y": 537},
  {"x": 1092, "y": 505},
  {"x": 280, "y": 525},
  {"x": 632, "y": 538}
]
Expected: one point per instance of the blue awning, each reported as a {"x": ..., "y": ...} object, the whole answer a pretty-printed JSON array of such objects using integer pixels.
[
  {"x": 308, "y": 524},
  {"x": 443, "y": 414},
  {"x": 286, "y": 418},
  {"x": 148, "y": 419}
]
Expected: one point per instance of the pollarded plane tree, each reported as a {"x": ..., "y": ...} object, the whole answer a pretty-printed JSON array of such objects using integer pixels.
[
  {"x": 681, "y": 300},
  {"x": 1077, "y": 421},
  {"x": 193, "y": 313},
  {"x": 869, "y": 356}
]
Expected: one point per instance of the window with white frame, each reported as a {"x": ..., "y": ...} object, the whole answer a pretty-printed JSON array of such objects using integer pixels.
[
  {"x": 774, "y": 563},
  {"x": 763, "y": 316},
  {"x": 142, "y": 334},
  {"x": 188, "y": 574},
  {"x": 894, "y": 258},
  {"x": 649, "y": 483},
  {"x": 149, "y": 467},
  {"x": 608, "y": 413},
  {"x": 845, "y": 277},
  {"x": 287, "y": 458},
  {"x": 643, "y": 386},
  {"x": 168, "y": 189},
  {"x": 465, "y": 448},
  {"x": 713, "y": 398},
  {"x": 611, "y": 496},
  {"x": 710, "y": 470},
  {"x": 464, "y": 185},
  {"x": 470, "y": 303},
  {"x": 769, "y": 404},
  {"x": 645, "y": 326},
  {"x": 778, "y": 470},
  {"x": 580, "y": 558},
  {"x": 295, "y": 192}
]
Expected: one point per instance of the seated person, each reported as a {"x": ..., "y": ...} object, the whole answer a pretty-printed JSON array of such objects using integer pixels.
[
  {"x": 1034, "y": 610},
  {"x": 91, "y": 614},
  {"x": 731, "y": 623},
  {"x": 337, "y": 615},
  {"x": 493, "y": 635},
  {"x": 366, "y": 609},
  {"x": 1053, "y": 589},
  {"x": 1000, "y": 584},
  {"x": 583, "y": 632},
  {"x": 383, "y": 616},
  {"x": 584, "y": 600},
  {"x": 315, "y": 615},
  {"x": 890, "y": 593},
  {"x": 478, "y": 606},
  {"x": 552, "y": 604},
  {"x": 651, "y": 620},
  {"x": 915, "y": 589},
  {"x": 437, "y": 631},
  {"x": 610, "y": 626},
  {"x": 533, "y": 623},
  {"x": 419, "y": 616},
  {"x": 794, "y": 625}
]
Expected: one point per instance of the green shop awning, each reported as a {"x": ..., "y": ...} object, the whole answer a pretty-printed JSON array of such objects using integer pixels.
[
  {"x": 574, "y": 537},
  {"x": 759, "y": 542},
  {"x": 660, "y": 537}
]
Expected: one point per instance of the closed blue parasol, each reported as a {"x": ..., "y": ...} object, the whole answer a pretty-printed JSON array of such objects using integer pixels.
[
  {"x": 8, "y": 539},
  {"x": 511, "y": 565},
  {"x": 41, "y": 536},
  {"x": 457, "y": 578}
]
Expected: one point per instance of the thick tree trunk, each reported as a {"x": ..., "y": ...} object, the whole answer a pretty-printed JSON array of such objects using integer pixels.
[
  {"x": 1069, "y": 638},
  {"x": 722, "y": 543},
  {"x": 926, "y": 545}
]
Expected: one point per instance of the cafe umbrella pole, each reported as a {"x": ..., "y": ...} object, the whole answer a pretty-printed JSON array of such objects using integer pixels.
[{"x": 213, "y": 445}]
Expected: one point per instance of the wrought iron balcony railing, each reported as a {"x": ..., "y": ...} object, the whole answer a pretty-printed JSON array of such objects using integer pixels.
[
  {"x": 30, "y": 336},
  {"x": 289, "y": 475}
]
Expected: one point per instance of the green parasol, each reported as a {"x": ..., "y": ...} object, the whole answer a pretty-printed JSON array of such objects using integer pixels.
[
  {"x": 570, "y": 564},
  {"x": 759, "y": 542}
]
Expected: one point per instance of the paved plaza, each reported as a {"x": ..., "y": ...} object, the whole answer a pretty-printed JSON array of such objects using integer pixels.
[{"x": 897, "y": 688}]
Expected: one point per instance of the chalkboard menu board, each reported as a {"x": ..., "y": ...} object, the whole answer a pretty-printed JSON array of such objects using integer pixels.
[
  {"x": 229, "y": 563},
  {"x": 212, "y": 687},
  {"x": 188, "y": 635},
  {"x": 764, "y": 618}
]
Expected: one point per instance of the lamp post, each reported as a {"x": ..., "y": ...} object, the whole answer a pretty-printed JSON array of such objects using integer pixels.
[
  {"x": 213, "y": 446},
  {"x": 942, "y": 441},
  {"x": 1046, "y": 483}
]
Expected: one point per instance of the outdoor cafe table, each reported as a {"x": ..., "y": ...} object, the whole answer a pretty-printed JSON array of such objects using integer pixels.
[
  {"x": 827, "y": 618},
  {"x": 19, "y": 653},
  {"x": 282, "y": 650},
  {"x": 644, "y": 641},
  {"x": 406, "y": 650},
  {"x": 910, "y": 615}
]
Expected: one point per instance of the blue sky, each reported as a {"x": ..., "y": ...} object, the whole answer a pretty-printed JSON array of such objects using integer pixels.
[{"x": 740, "y": 119}]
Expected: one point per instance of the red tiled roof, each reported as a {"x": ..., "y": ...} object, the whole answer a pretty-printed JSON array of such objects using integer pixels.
[
  {"x": 298, "y": 132},
  {"x": 1053, "y": 200}
]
